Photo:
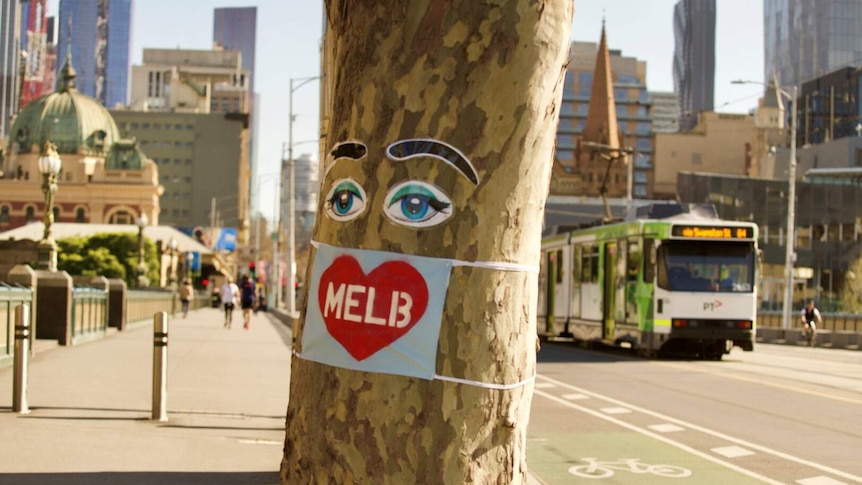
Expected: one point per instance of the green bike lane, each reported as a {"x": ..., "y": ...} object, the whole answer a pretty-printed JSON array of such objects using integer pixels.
[
  {"x": 562, "y": 446},
  {"x": 577, "y": 437}
]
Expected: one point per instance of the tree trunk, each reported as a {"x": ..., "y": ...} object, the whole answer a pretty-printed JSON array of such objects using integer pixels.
[{"x": 479, "y": 83}]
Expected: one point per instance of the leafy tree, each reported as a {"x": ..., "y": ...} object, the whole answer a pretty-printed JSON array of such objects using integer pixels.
[
  {"x": 112, "y": 255},
  {"x": 442, "y": 109}
]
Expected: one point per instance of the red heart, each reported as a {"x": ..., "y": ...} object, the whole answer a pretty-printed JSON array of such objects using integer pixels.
[{"x": 365, "y": 313}]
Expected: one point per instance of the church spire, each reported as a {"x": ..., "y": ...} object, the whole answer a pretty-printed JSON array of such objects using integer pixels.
[{"x": 601, "y": 126}]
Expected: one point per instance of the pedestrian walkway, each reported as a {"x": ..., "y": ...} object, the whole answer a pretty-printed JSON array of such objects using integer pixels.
[{"x": 91, "y": 407}]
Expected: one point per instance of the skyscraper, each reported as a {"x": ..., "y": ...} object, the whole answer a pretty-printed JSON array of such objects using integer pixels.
[
  {"x": 236, "y": 29},
  {"x": 804, "y": 39},
  {"x": 694, "y": 59},
  {"x": 103, "y": 27},
  {"x": 10, "y": 52}
]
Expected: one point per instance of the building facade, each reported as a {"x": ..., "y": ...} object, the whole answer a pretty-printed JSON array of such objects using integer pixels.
[
  {"x": 10, "y": 59},
  {"x": 100, "y": 32},
  {"x": 201, "y": 159},
  {"x": 665, "y": 112},
  {"x": 189, "y": 109},
  {"x": 719, "y": 143},
  {"x": 190, "y": 81},
  {"x": 694, "y": 58},
  {"x": 104, "y": 178},
  {"x": 803, "y": 39},
  {"x": 605, "y": 101}
]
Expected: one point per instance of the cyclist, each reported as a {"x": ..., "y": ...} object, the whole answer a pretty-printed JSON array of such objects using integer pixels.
[{"x": 810, "y": 319}]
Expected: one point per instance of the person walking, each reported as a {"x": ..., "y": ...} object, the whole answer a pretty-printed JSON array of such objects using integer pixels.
[
  {"x": 248, "y": 298},
  {"x": 186, "y": 294},
  {"x": 229, "y": 296},
  {"x": 810, "y": 319}
]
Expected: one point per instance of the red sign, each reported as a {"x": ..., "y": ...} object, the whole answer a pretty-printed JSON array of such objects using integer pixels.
[{"x": 366, "y": 313}]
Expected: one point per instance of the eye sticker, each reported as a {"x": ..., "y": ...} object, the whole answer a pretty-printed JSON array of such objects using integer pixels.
[
  {"x": 417, "y": 204},
  {"x": 419, "y": 147},
  {"x": 345, "y": 201}
]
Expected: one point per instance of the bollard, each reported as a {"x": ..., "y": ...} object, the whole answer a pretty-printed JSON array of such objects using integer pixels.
[
  {"x": 22, "y": 356},
  {"x": 160, "y": 366}
]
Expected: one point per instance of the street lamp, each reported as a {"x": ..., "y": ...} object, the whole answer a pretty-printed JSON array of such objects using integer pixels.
[
  {"x": 790, "y": 243},
  {"x": 190, "y": 259},
  {"x": 172, "y": 262},
  {"x": 49, "y": 165},
  {"x": 143, "y": 281},
  {"x": 291, "y": 224}
]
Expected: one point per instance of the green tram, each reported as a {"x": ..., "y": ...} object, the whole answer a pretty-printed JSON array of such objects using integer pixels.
[{"x": 684, "y": 285}]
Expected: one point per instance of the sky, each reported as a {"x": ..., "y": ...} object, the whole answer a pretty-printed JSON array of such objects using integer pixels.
[{"x": 289, "y": 37}]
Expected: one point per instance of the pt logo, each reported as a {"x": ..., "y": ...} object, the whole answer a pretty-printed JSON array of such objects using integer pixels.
[
  {"x": 712, "y": 305},
  {"x": 365, "y": 313}
]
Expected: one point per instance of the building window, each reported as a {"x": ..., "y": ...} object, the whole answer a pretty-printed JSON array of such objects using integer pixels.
[
  {"x": 121, "y": 217},
  {"x": 4, "y": 214},
  {"x": 79, "y": 215},
  {"x": 29, "y": 214},
  {"x": 56, "y": 212}
]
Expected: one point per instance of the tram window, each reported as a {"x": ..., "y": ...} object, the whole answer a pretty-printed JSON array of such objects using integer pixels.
[
  {"x": 713, "y": 266},
  {"x": 649, "y": 260},
  {"x": 633, "y": 263},
  {"x": 559, "y": 266},
  {"x": 576, "y": 264},
  {"x": 590, "y": 264}
]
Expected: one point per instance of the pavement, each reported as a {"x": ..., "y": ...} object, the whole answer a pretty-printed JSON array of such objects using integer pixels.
[{"x": 91, "y": 407}]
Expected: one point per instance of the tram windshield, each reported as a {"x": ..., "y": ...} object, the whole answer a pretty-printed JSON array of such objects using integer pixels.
[{"x": 706, "y": 266}]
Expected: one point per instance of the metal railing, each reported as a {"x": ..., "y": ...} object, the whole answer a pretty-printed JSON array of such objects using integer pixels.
[
  {"x": 834, "y": 322},
  {"x": 89, "y": 313},
  {"x": 141, "y": 305},
  {"x": 11, "y": 297}
]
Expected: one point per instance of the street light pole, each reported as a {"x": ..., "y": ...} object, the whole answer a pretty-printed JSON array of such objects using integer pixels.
[
  {"x": 291, "y": 224},
  {"x": 790, "y": 255},
  {"x": 790, "y": 241},
  {"x": 49, "y": 165},
  {"x": 143, "y": 281}
]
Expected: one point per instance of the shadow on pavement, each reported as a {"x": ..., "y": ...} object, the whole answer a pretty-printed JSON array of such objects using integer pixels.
[{"x": 142, "y": 478}]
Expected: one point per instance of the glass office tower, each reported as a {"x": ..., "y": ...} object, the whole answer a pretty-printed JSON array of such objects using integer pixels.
[
  {"x": 236, "y": 29},
  {"x": 10, "y": 50},
  {"x": 103, "y": 27},
  {"x": 805, "y": 39},
  {"x": 694, "y": 59}
]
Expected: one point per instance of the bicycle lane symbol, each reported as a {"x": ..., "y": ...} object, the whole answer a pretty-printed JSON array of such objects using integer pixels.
[{"x": 604, "y": 469}]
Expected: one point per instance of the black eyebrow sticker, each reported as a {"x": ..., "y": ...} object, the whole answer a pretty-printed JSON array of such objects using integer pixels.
[
  {"x": 348, "y": 149},
  {"x": 417, "y": 147}
]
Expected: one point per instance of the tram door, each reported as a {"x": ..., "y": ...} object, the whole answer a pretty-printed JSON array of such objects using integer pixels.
[{"x": 609, "y": 290}]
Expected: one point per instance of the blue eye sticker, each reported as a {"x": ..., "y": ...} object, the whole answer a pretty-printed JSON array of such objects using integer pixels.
[
  {"x": 345, "y": 201},
  {"x": 417, "y": 204}
]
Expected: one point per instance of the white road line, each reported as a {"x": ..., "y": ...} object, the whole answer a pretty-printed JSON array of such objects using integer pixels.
[
  {"x": 701, "y": 429},
  {"x": 616, "y": 410},
  {"x": 661, "y": 438},
  {"x": 575, "y": 397},
  {"x": 666, "y": 428},
  {"x": 732, "y": 451},
  {"x": 544, "y": 385},
  {"x": 819, "y": 481}
]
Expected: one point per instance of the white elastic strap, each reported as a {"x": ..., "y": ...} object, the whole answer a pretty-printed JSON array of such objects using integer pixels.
[
  {"x": 484, "y": 385},
  {"x": 525, "y": 268}
]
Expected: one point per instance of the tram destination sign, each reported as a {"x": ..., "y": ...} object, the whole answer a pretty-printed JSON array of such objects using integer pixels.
[{"x": 711, "y": 232}]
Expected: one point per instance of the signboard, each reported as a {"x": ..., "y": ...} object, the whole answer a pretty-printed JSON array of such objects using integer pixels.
[{"x": 712, "y": 232}]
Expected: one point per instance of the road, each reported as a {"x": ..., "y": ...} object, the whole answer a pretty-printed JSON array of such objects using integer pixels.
[{"x": 780, "y": 414}]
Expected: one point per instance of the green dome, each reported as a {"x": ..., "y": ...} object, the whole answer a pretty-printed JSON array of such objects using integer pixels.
[{"x": 67, "y": 118}]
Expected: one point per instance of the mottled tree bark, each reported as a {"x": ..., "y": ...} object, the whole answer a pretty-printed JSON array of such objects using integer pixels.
[{"x": 486, "y": 78}]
